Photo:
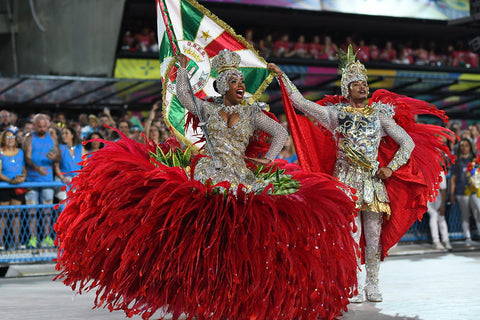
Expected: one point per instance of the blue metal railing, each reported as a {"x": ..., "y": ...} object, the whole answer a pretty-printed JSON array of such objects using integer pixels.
[{"x": 26, "y": 233}]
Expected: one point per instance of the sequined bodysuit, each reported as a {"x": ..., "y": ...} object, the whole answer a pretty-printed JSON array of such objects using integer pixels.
[
  {"x": 357, "y": 133},
  {"x": 229, "y": 143}
]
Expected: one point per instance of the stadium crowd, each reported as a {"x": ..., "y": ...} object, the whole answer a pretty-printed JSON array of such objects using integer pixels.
[{"x": 325, "y": 47}]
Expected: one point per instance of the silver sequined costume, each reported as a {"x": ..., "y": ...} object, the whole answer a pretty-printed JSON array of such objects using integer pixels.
[
  {"x": 230, "y": 143},
  {"x": 357, "y": 133}
]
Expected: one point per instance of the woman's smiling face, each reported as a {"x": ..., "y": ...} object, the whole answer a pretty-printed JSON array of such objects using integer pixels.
[{"x": 236, "y": 90}]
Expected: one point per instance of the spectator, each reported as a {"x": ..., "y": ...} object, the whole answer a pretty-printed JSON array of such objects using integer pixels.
[
  {"x": 388, "y": 54},
  {"x": 41, "y": 150},
  {"x": 60, "y": 120},
  {"x": 13, "y": 171},
  {"x": 83, "y": 119},
  {"x": 315, "y": 47},
  {"x": 300, "y": 48},
  {"x": 124, "y": 127},
  {"x": 144, "y": 39},
  {"x": 135, "y": 134},
  {"x": 282, "y": 47},
  {"x": 148, "y": 123},
  {"x": 449, "y": 59},
  {"x": 403, "y": 56},
  {"x": 436, "y": 210},
  {"x": 459, "y": 183},
  {"x": 71, "y": 151},
  {"x": 249, "y": 37},
  {"x": 472, "y": 59},
  {"x": 265, "y": 46},
  {"x": 129, "y": 42},
  {"x": 363, "y": 53},
  {"x": 5, "y": 120},
  {"x": 133, "y": 119},
  {"x": 28, "y": 127},
  {"x": 92, "y": 126},
  {"x": 156, "y": 135},
  {"x": 106, "y": 120},
  {"x": 288, "y": 151},
  {"x": 329, "y": 49},
  {"x": 164, "y": 132},
  {"x": 13, "y": 118},
  {"x": 93, "y": 144},
  {"x": 421, "y": 55},
  {"x": 374, "y": 52},
  {"x": 433, "y": 58}
]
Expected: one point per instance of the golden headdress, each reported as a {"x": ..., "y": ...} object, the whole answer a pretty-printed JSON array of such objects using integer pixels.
[
  {"x": 352, "y": 69},
  {"x": 226, "y": 60},
  {"x": 226, "y": 63}
]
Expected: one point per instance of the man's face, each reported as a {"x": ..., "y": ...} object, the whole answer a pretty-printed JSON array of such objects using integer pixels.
[
  {"x": 104, "y": 120},
  {"x": 123, "y": 127},
  {"x": 28, "y": 127},
  {"x": 41, "y": 127},
  {"x": 358, "y": 90},
  {"x": 5, "y": 116}
]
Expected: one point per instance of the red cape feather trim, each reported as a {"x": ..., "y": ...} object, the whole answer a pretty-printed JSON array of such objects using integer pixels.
[
  {"x": 412, "y": 185},
  {"x": 147, "y": 237}
]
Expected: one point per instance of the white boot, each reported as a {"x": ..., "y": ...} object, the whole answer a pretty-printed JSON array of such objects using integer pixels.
[
  {"x": 438, "y": 245},
  {"x": 447, "y": 245},
  {"x": 359, "y": 297},
  {"x": 373, "y": 293}
]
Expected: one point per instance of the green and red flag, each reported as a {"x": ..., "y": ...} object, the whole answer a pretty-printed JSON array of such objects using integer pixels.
[{"x": 185, "y": 26}]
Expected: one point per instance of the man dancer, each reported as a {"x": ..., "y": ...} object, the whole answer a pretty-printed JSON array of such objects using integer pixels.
[{"x": 357, "y": 129}]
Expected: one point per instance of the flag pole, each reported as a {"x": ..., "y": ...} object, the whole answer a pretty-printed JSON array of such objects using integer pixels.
[{"x": 176, "y": 51}]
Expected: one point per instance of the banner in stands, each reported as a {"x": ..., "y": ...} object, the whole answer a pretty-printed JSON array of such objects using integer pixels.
[{"x": 420, "y": 9}]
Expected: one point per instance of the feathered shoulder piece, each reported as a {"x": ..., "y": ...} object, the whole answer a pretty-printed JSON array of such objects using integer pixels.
[{"x": 332, "y": 100}]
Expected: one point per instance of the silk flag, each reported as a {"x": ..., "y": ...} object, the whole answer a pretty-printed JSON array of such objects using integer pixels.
[{"x": 184, "y": 26}]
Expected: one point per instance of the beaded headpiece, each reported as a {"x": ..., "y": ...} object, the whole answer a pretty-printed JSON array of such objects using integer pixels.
[
  {"x": 352, "y": 69},
  {"x": 226, "y": 63}
]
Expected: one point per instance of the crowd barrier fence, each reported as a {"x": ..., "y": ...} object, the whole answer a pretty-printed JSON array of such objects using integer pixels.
[{"x": 19, "y": 225}]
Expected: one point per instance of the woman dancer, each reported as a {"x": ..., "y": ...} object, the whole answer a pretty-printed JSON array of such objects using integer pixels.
[{"x": 209, "y": 238}]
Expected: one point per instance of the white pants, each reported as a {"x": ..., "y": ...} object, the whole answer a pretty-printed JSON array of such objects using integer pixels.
[
  {"x": 437, "y": 221},
  {"x": 371, "y": 223},
  {"x": 466, "y": 203},
  {"x": 475, "y": 207}
]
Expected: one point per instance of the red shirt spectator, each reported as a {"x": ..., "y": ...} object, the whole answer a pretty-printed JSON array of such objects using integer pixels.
[
  {"x": 129, "y": 41},
  {"x": 300, "y": 48},
  {"x": 329, "y": 49},
  {"x": 315, "y": 48},
  {"x": 144, "y": 39},
  {"x": 363, "y": 53},
  {"x": 282, "y": 47},
  {"x": 472, "y": 58},
  {"x": 374, "y": 52},
  {"x": 388, "y": 54},
  {"x": 459, "y": 58}
]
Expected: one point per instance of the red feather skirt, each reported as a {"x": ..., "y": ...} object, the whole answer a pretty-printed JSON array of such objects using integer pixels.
[{"x": 149, "y": 238}]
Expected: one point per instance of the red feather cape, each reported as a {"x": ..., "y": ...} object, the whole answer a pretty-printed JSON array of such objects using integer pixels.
[
  {"x": 412, "y": 185},
  {"x": 148, "y": 237}
]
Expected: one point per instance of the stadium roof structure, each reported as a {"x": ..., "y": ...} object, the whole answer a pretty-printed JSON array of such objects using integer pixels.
[{"x": 30, "y": 92}]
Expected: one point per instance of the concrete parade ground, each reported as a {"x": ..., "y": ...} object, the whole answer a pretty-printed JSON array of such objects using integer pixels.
[{"x": 417, "y": 282}]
